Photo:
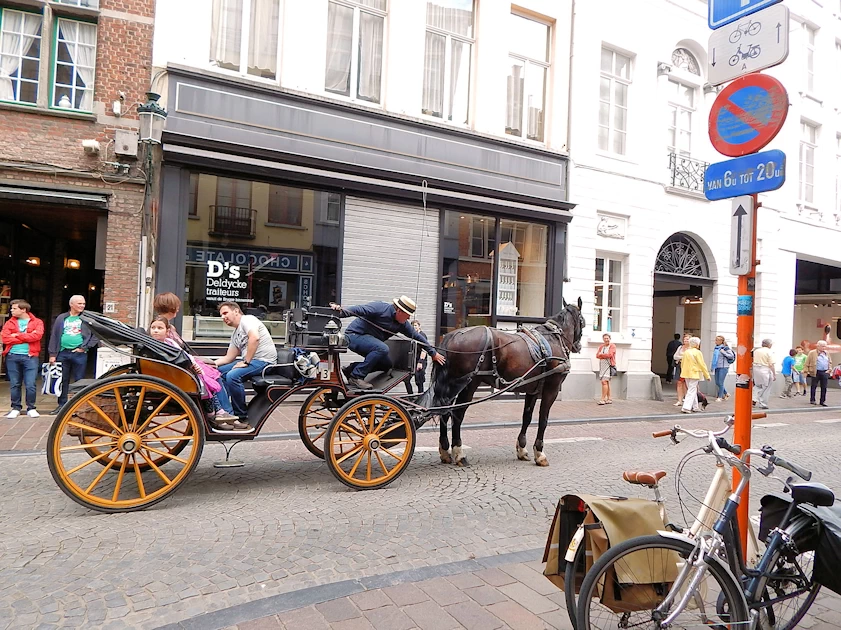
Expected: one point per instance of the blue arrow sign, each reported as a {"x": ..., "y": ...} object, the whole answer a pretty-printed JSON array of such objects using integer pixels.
[
  {"x": 723, "y": 12},
  {"x": 748, "y": 175}
]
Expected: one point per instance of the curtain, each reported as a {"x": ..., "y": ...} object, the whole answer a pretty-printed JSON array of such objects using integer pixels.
[
  {"x": 226, "y": 33},
  {"x": 339, "y": 45},
  {"x": 80, "y": 40},
  {"x": 370, "y": 56},
  {"x": 20, "y": 31},
  {"x": 459, "y": 82},
  {"x": 514, "y": 102},
  {"x": 433, "y": 74},
  {"x": 263, "y": 34}
]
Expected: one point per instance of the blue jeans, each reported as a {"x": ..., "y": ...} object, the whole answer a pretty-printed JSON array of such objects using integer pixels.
[
  {"x": 374, "y": 351},
  {"x": 22, "y": 369},
  {"x": 73, "y": 365},
  {"x": 720, "y": 375},
  {"x": 233, "y": 385}
]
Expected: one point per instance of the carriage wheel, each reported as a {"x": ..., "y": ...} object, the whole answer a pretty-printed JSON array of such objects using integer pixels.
[
  {"x": 370, "y": 442},
  {"x": 145, "y": 421},
  {"x": 315, "y": 416}
]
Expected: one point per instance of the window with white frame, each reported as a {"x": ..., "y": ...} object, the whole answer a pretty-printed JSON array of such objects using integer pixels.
[
  {"x": 245, "y": 36},
  {"x": 810, "y": 34},
  {"x": 355, "y": 33},
  {"x": 528, "y": 58},
  {"x": 808, "y": 144},
  {"x": 682, "y": 99},
  {"x": 20, "y": 56},
  {"x": 607, "y": 316},
  {"x": 838, "y": 68},
  {"x": 447, "y": 59},
  {"x": 75, "y": 63},
  {"x": 89, "y": 4},
  {"x": 838, "y": 175},
  {"x": 613, "y": 101}
]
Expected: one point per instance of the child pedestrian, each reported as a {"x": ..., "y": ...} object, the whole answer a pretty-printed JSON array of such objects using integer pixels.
[
  {"x": 797, "y": 372},
  {"x": 787, "y": 371}
]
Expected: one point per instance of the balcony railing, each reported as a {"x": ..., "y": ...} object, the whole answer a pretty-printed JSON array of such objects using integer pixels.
[
  {"x": 687, "y": 173},
  {"x": 231, "y": 221}
]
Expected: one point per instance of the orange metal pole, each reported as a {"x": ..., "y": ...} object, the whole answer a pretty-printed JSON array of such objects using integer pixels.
[{"x": 744, "y": 364}]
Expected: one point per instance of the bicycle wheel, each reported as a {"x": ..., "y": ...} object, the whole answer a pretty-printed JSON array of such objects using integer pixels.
[
  {"x": 618, "y": 591},
  {"x": 575, "y": 567},
  {"x": 791, "y": 577}
]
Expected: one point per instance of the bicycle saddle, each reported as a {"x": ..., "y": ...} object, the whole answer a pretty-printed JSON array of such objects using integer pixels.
[
  {"x": 815, "y": 493},
  {"x": 639, "y": 478}
]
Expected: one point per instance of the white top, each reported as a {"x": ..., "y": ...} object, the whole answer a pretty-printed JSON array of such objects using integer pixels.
[{"x": 266, "y": 350}]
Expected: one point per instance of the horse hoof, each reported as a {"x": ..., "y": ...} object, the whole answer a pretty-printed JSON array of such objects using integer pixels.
[
  {"x": 462, "y": 463},
  {"x": 540, "y": 459},
  {"x": 445, "y": 458},
  {"x": 522, "y": 454}
]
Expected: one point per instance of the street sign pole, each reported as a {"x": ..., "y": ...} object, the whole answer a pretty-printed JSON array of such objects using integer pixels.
[{"x": 744, "y": 364}]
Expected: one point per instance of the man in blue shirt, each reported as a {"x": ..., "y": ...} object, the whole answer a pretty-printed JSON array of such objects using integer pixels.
[{"x": 375, "y": 322}]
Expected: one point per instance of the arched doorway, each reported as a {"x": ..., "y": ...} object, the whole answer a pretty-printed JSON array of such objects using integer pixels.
[{"x": 682, "y": 284}]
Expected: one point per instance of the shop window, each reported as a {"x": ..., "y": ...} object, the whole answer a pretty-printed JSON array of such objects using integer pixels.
[
  {"x": 608, "y": 295},
  {"x": 20, "y": 44},
  {"x": 479, "y": 290},
  {"x": 275, "y": 269},
  {"x": 75, "y": 62},
  {"x": 355, "y": 30},
  {"x": 244, "y": 36}
]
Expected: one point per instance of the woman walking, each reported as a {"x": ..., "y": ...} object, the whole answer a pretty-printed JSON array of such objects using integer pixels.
[
  {"x": 606, "y": 355},
  {"x": 681, "y": 383},
  {"x": 723, "y": 356},
  {"x": 693, "y": 369}
]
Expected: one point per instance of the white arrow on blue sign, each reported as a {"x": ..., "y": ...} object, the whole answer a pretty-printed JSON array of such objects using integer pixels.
[
  {"x": 748, "y": 175},
  {"x": 723, "y": 12}
]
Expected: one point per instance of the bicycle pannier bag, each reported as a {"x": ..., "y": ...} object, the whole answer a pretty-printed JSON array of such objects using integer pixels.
[{"x": 828, "y": 552}]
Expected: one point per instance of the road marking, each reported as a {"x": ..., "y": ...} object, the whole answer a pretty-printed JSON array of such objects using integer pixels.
[
  {"x": 834, "y": 421},
  {"x": 434, "y": 449},
  {"x": 768, "y": 425},
  {"x": 573, "y": 439}
]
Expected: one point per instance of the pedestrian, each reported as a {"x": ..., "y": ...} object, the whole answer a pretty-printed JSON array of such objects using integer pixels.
[
  {"x": 818, "y": 365},
  {"x": 693, "y": 369},
  {"x": 606, "y": 354},
  {"x": 21, "y": 336},
  {"x": 681, "y": 382},
  {"x": 671, "y": 348},
  {"x": 420, "y": 368},
  {"x": 167, "y": 305},
  {"x": 251, "y": 349},
  {"x": 723, "y": 356},
  {"x": 70, "y": 340},
  {"x": 764, "y": 374},
  {"x": 786, "y": 370},
  {"x": 797, "y": 375}
]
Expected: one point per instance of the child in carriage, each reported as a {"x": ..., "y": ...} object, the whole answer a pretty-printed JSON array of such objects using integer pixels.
[{"x": 159, "y": 329}]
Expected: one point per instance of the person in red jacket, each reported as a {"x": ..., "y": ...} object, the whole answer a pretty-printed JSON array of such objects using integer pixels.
[{"x": 21, "y": 338}]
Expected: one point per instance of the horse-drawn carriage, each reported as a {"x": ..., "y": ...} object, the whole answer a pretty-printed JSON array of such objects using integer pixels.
[{"x": 129, "y": 439}]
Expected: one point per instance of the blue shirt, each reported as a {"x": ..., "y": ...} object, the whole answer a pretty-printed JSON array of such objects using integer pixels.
[
  {"x": 377, "y": 319},
  {"x": 788, "y": 363},
  {"x": 21, "y": 348},
  {"x": 822, "y": 362}
]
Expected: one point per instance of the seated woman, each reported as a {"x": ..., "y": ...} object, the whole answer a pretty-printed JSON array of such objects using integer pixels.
[{"x": 223, "y": 414}]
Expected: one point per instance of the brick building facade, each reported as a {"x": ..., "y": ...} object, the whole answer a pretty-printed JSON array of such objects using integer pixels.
[{"x": 71, "y": 218}]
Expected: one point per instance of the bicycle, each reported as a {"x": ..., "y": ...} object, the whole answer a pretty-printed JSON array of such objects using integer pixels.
[
  {"x": 753, "y": 51},
  {"x": 745, "y": 28},
  {"x": 685, "y": 581}
]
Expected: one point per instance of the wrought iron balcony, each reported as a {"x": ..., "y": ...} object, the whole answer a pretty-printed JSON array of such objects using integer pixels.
[
  {"x": 687, "y": 173},
  {"x": 231, "y": 221}
]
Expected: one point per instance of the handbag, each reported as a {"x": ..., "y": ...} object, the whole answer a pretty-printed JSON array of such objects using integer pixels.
[
  {"x": 613, "y": 370},
  {"x": 51, "y": 373}
]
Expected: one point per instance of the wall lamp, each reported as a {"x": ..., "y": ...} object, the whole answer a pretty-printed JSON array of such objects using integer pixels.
[
  {"x": 152, "y": 118},
  {"x": 72, "y": 263}
]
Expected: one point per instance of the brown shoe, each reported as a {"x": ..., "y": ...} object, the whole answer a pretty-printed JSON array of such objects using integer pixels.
[
  {"x": 358, "y": 383},
  {"x": 241, "y": 426}
]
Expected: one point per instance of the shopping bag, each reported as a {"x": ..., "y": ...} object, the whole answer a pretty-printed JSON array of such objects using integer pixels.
[{"x": 51, "y": 373}]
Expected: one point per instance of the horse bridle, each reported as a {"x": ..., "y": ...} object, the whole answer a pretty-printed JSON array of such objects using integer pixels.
[{"x": 554, "y": 329}]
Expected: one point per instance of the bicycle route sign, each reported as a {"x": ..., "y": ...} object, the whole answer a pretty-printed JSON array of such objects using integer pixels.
[
  {"x": 723, "y": 12},
  {"x": 748, "y": 175},
  {"x": 747, "y": 114},
  {"x": 759, "y": 41}
]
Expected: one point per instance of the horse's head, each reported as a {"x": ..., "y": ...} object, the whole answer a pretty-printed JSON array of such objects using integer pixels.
[{"x": 571, "y": 322}]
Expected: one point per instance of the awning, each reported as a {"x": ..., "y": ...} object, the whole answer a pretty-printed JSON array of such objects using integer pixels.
[{"x": 60, "y": 197}]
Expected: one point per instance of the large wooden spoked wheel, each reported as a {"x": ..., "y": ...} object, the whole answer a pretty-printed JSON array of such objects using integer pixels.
[
  {"x": 369, "y": 442},
  {"x": 145, "y": 420},
  {"x": 315, "y": 416}
]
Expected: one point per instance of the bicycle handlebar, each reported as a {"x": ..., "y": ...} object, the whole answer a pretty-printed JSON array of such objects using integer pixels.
[{"x": 797, "y": 470}]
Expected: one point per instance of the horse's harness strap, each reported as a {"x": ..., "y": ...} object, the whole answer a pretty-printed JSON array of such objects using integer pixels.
[{"x": 478, "y": 371}]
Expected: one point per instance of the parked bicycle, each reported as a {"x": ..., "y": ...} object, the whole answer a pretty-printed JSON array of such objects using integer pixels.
[
  {"x": 672, "y": 580},
  {"x": 753, "y": 51},
  {"x": 745, "y": 28}
]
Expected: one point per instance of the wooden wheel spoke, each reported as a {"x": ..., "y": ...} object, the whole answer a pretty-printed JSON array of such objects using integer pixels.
[
  {"x": 320, "y": 435},
  {"x": 371, "y": 420},
  {"x": 101, "y": 475},
  {"x": 390, "y": 429},
  {"x": 120, "y": 408},
  {"x": 165, "y": 425},
  {"x": 350, "y": 453},
  {"x": 139, "y": 477},
  {"x": 90, "y": 461},
  {"x": 360, "y": 420},
  {"x": 398, "y": 458},
  {"x": 324, "y": 412},
  {"x": 119, "y": 482},
  {"x": 356, "y": 465},
  {"x": 318, "y": 425},
  {"x": 87, "y": 445},
  {"x": 104, "y": 416},
  {"x": 174, "y": 438},
  {"x": 153, "y": 415},
  {"x": 394, "y": 440},
  {"x": 138, "y": 409},
  {"x": 165, "y": 454},
  {"x": 382, "y": 464},
  {"x": 349, "y": 429},
  {"x": 91, "y": 429},
  {"x": 346, "y": 442},
  {"x": 161, "y": 474},
  {"x": 368, "y": 470},
  {"x": 380, "y": 424}
]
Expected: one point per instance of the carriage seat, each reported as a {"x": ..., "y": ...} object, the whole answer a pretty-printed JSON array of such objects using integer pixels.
[{"x": 281, "y": 374}]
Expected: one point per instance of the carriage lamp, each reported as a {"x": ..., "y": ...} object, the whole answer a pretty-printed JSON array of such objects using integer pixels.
[
  {"x": 152, "y": 118},
  {"x": 331, "y": 331}
]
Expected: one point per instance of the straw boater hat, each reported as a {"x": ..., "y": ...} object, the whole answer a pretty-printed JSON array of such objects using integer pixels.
[{"x": 405, "y": 304}]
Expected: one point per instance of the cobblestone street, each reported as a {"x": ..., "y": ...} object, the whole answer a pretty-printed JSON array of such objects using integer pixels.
[{"x": 242, "y": 537}]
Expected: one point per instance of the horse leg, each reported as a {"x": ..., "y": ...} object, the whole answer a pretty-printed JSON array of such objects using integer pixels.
[
  {"x": 458, "y": 417},
  {"x": 443, "y": 442},
  {"x": 528, "y": 409},
  {"x": 550, "y": 393}
]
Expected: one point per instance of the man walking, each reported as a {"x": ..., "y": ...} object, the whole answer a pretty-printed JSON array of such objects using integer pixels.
[
  {"x": 818, "y": 365},
  {"x": 70, "y": 340},
  {"x": 674, "y": 344},
  {"x": 375, "y": 322},
  {"x": 251, "y": 350},
  {"x": 763, "y": 373},
  {"x": 21, "y": 336}
]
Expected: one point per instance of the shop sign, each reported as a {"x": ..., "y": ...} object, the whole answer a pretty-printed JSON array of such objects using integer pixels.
[
  {"x": 224, "y": 283},
  {"x": 306, "y": 291},
  {"x": 279, "y": 262}
]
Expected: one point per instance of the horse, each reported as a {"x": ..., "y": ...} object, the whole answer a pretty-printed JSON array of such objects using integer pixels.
[{"x": 480, "y": 354}]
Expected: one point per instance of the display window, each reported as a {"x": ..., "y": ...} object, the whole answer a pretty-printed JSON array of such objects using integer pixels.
[
  {"x": 494, "y": 269},
  {"x": 269, "y": 247}
]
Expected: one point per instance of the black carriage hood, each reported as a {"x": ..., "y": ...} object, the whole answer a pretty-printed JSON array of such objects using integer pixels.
[{"x": 116, "y": 333}]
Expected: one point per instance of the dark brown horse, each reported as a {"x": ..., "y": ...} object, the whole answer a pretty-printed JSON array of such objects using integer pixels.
[{"x": 479, "y": 354}]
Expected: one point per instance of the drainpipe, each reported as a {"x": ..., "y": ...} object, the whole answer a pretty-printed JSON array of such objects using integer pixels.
[{"x": 569, "y": 132}]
